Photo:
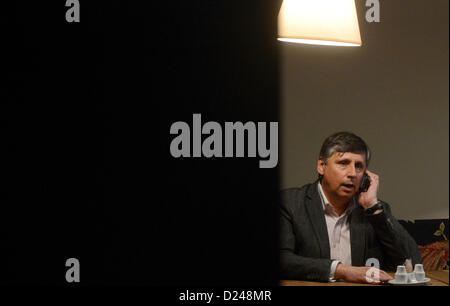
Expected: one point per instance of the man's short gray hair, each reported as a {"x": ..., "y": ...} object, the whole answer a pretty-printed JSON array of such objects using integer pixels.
[{"x": 344, "y": 142}]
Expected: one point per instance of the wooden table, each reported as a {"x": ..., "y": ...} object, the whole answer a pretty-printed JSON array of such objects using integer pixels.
[{"x": 438, "y": 278}]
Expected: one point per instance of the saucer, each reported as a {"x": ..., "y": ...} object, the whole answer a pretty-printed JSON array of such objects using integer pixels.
[{"x": 413, "y": 283}]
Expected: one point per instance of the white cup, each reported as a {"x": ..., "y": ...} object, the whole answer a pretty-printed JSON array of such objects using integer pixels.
[
  {"x": 401, "y": 270},
  {"x": 420, "y": 276},
  {"x": 401, "y": 276},
  {"x": 411, "y": 278},
  {"x": 419, "y": 272},
  {"x": 418, "y": 268}
]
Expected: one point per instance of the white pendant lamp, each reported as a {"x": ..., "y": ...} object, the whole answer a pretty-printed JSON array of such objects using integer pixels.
[{"x": 320, "y": 22}]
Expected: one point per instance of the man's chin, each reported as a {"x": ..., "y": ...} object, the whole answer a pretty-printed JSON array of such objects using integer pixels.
[{"x": 347, "y": 193}]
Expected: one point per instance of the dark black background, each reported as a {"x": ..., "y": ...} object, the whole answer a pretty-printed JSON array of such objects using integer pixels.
[{"x": 85, "y": 118}]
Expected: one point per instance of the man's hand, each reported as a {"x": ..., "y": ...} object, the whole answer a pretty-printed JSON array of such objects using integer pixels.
[
  {"x": 361, "y": 274},
  {"x": 369, "y": 198}
]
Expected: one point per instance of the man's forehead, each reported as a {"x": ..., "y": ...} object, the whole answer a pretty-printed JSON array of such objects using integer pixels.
[{"x": 349, "y": 155}]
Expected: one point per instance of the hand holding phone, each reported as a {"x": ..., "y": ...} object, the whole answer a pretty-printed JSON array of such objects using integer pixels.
[
  {"x": 365, "y": 183},
  {"x": 368, "y": 189}
]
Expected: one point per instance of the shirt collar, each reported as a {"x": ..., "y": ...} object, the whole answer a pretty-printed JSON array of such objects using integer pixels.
[{"x": 326, "y": 203}]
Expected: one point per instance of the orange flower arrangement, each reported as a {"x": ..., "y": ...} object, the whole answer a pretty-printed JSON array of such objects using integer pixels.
[{"x": 435, "y": 255}]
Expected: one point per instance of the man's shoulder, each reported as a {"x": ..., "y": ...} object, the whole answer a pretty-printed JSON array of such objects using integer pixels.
[{"x": 295, "y": 196}]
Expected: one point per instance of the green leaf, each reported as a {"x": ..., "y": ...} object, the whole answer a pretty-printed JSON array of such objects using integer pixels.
[
  {"x": 437, "y": 233},
  {"x": 442, "y": 227}
]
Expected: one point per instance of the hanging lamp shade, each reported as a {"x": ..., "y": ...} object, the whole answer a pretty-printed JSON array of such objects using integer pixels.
[{"x": 322, "y": 22}]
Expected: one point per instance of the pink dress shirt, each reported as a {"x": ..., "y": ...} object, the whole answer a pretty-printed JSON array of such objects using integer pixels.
[{"x": 338, "y": 233}]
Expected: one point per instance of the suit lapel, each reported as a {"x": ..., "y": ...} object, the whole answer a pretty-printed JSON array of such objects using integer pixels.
[
  {"x": 317, "y": 217},
  {"x": 357, "y": 236}
]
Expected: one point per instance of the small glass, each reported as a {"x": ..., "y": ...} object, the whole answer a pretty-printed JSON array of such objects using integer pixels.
[
  {"x": 401, "y": 276},
  {"x": 419, "y": 272}
]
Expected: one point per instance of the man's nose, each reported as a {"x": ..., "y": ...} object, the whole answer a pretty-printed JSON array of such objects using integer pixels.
[{"x": 351, "y": 171}]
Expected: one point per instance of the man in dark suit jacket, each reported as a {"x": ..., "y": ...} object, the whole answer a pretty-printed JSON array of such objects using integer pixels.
[{"x": 330, "y": 229}]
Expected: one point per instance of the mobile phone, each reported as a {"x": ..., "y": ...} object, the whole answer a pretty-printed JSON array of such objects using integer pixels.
[{"x": 365, "y": 183}]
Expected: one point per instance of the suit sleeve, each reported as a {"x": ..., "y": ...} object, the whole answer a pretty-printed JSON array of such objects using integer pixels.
[
  {"x": 294, "y": 266},
  {"x": 395, "y": 241}
]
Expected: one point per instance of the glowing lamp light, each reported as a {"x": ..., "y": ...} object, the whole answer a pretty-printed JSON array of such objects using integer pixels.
[{"x": 319, "y": 22}]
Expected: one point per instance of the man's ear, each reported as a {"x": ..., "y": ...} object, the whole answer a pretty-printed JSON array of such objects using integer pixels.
[{"x": 321, "y": 166}]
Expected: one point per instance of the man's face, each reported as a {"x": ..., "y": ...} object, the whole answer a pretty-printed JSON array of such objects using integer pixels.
[{"x": 342, "y": 174}]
